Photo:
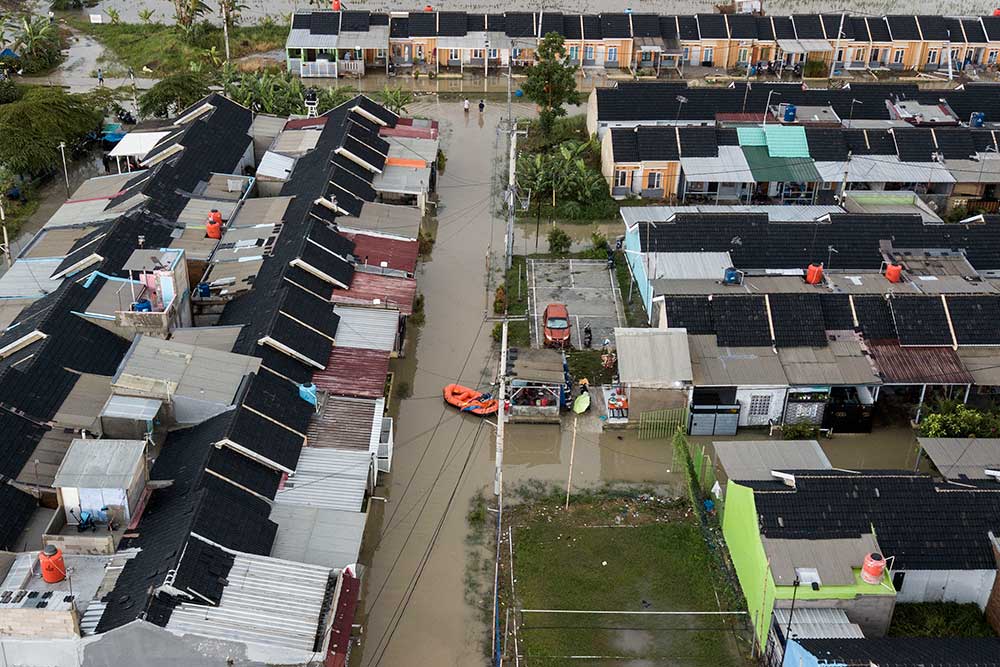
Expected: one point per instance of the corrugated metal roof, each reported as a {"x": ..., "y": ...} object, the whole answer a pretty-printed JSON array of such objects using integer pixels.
[
  {"x": 403, "y": 221},
  {"x": 367, "y": 328},
  {"x": 275, "y": 166},
  {"x": 259, "y": 211},
  {"x": 653, "y": 358},
  {"x": 354, "y": 372},
  {"x": 29, "y": 279},
  {"x": 751, "y": 136},
  {"x": 346, "y": 422},
  {"x": 387, "y": 291},
  {"x": 328, "y": 478},
  {"x": 918, "y": 365},
  {"x": 633, "y": 215},
  {"x": 958, "y": 457},
  {"x": 318, "y": 536},
  {"x": 267, "y": 601},
  {"x": 688, "y": 265},
  {"x": 884, "y": 169},
  {"x": 196, "y": 211},
  {"x": 834, "y": 559},
  {"x": 100, "y": 464},
  {"x": 749, "y": 460},
  {"x": 818, "y": 623},
  {"x": 538, "y": 366},
  {"x": 983, "y": 363},
  {"x": 713, "y": 366},
  {"x": 838, "y": 363},
  {"x": 131, "y": 407},
  {"x": 729, "y": 167},
  {"x": 396, "y": 253},
  {"x": 221, "y": 338},
  {"x": 786, "y": 141},
  {"x": 767, "y": 168}
]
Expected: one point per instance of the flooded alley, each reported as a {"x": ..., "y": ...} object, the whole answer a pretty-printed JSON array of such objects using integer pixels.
[{"x": 415, "y": 596}]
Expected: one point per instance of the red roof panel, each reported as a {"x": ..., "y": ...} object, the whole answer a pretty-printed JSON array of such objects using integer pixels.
[
  {"x": 399, "y": 254},
  {"x": 366, "y": 288},
  {"x": 918, "y": 365},
  {"x": 354, "y": 372}
]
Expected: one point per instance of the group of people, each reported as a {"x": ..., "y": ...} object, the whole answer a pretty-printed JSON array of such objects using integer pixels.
[{"x": 482, "y": 105}]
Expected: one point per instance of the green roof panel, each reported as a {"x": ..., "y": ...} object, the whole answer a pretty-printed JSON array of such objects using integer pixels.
[
  {"x": 751, "y": 136},
  {"x": 767, "y": 169},
  {"x": 786, "y": 141}
]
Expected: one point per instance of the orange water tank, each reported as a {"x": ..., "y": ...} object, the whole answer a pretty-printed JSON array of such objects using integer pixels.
[
  {"x": 873, "y": 568},
  {"x": 814, "y": 274},
  {"x": 53, "y": 567},
  {"x": 893, "y": 273},
  {"x": 336, "y": 5}
]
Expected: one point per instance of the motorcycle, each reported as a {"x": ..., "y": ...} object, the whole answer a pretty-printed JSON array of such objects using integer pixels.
[{"x": 588, "y": 336}]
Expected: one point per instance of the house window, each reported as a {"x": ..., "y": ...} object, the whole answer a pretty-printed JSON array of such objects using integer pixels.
[
  {"x": 874, "y": 56},
  {"x": 765, "y": 54},
  {"x": 991, "y": 59},
  {"x": 380, "y": 54},
  {"x": 574, "y": 53},
  {"x": 647, "y": 56},
  {"x": 742, "y": 56},
  {"x": 588, "y": 53},
  {"x": 706, "y": 56},
  {"x": 654, "y": 181},
  {"x": 621, "y": 179},
  {"x": 420, "y": 51},
  {"x": 687, "y": 54},
  {"x": 612, "y": 54},
  {"x": 955, "y": 58},
  {"x": 477, "y": 54},
  {"x": 932, "y": 56},
  {"x": 840, "y": 56},
  {"x": 494, "y": 54},
  {"x": 516, "y": 54},
  {"x": 454, "y": 54},
  {"x": 897, "y": 56}
]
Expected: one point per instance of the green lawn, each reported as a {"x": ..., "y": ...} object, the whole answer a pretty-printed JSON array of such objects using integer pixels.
[
  {"x": 635, "y": 314},
  {"x": 559, "y": 563},
  {"x": 164, "y": 50}
]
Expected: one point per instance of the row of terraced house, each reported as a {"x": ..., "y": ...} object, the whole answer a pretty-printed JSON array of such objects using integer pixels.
[{"x": 327, "y": 43}]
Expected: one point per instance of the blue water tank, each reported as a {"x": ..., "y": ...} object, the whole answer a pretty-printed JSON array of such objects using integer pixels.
[
  {"x": 307, "y": 392},
  {"x": 978, "y": 119},
  {"x": 204, "y": 290},
  {"x": 731, "y": 277},
  {"x": 790, "y": 113},
  {"x": 142, "y": 306},
  {"x": 519, "y": 93}
]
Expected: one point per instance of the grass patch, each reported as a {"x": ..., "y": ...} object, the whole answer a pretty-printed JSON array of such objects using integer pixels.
[
  {"x": 587, "y": 364},
  {"x": 939, "y": 619},
  {"x": 635, "y": 313},
  {"x": 621, "y": 552},
  {"x": 164, "y": 50}
]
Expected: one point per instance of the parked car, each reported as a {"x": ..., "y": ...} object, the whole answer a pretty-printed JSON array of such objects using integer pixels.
[{"x": 556, "y": 326}]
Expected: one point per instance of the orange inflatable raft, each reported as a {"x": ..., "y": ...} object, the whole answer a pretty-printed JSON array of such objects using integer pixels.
[{"x": 470, "y": 400}]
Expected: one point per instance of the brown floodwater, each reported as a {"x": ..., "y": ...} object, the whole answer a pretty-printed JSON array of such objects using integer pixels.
[{"x": 442, "y": 459}]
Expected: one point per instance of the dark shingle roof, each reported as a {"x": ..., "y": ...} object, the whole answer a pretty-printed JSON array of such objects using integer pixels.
[
  {"x": 920, "y": 320},
  {"x": 974, "y": 32},
  {"x": 325, "y": 23},
  {"x": 20, "y": 437},
  {"x": 741, "y": 321},
  {"x": 832, "y": 23},
  {"x": 975, "y": 319},
  {"x": 475, "y": 22},
  {"x": 922, "y": 527},
  {"x": 808, "y": 26},
  {"x": 698, "y": 141},
  {"x": 452, "y": 24},
  {"x": 955, "y": 143},
  {"x": 992, "y": 26},
  {"x": 906, "y": 651},
  {"x": 302, "y": 21},
  {"x": 934, "y": 28},
  {"x": 668, "y": 27},
  {"x": 265, "y": 438},
  {"x": 422, "y": 24},
  {"x": 742, "y": 26},
  {"x": 18, "y": 507},
  {"x": 688, "y": 27},
  {"x": 355, "y": 21},
  {"x": 798, "y": 320},
  {"x": 955, "y": 31},
  {"x": 278, "y": 399},
  {"x": 826, "y": 144},
  {"x": 836, "y": 312},
  {"x": 783, "y": 27},
  {"x": 874, "y": 317},
  {"x": 903, "y": 28},
  {"x": 765, "y": 29},
  {"x": 552, "y": 22},
  {"x": 693, "y": 313},
  {"x": 645, "y": 25},
  {"x": 914, "y": 145},
  {"x": 859, "y": 28},
  {"x": 519, "y": 24},
  {"x": 878, "y": 29},
  {"x": 614, "y": 26},
  {"x": 712, "y": 26},
  {"x": 399, "y": 27}
]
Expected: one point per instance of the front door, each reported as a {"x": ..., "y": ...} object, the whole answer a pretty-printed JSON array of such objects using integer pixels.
[{"x": 759, "y": 412}]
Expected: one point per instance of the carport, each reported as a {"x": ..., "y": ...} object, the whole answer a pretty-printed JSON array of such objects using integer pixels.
[{"x": 587, "y": 288}]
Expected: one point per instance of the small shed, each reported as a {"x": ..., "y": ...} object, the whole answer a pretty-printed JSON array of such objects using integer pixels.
[
  {"x": 97, "y": 475},
  {"x": 539, "y": 384},
  {"x": 129, "y": 416},
  {"x": 654, "y": 372}
]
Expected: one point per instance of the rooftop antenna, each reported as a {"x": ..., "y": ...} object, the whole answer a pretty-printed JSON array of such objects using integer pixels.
[{"x": 830, "y": 250}]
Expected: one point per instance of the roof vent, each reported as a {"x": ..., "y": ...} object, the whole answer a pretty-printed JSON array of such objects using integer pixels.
[
  {"x": 786, "y": 478},
  {"x": 990, "y": 472}
]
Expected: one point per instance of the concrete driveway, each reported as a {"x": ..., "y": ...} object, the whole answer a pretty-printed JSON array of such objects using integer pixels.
[{"x": 588, "y": 289}]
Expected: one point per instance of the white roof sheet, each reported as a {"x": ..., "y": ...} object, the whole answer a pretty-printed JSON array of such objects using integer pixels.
[
  {"x": 633, "y": 215},
  {"x": 984, "y": 170},
  {"x": 376, "y": 37},
  {"x": 968, "y": 457},
  {"x": 688, "y": 265},
  {"x": 729, "y": 167},
  {"x": 653, "y": 358},
  {"x": 29, "y": 279},
  {"x": 883, "y": 169},
  {"x": 753, "y": 460},
  {"x": 328, "y": 478},
  {"x": 303, "y": 39},
  {"x": 804, "y": 45},
  {"x": 100, "y": 464},
  {"x": 275, "y": 165},
  {"x": 819, "y": 623},
  {"x": 260, "y": 210},
  {"x": 368, "y": 328},
  {"x": 402, "y": 180},
  {"x": 267, "y": 601},
  {"x": 131, "y": 407},
  {"x": 137, "y": 144},
  {"x": 317, "y": 535}
]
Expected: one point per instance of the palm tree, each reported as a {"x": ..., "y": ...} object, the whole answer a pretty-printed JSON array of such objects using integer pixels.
[
  {"x": 396, "y": 99},
  {"x": 187, "y": 13},
  {"x": 36, "y": 41}
]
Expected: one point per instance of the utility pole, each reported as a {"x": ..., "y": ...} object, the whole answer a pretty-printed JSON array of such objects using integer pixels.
[
  {"x": 501, "y": 411},
  {"x": 6, "y": 241},
  {"x": 836, "y": 49},
  {"x": 62, "y": 149},
  {"x": 225, "y": 25}
]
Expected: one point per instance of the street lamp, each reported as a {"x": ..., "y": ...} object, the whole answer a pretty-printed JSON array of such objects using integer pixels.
[
  {"x": 850, "y": 120},
  {"x": 62, "y": 149},
  {"x": 681, "y": 101},
  {"x": 767, "y": 105}
]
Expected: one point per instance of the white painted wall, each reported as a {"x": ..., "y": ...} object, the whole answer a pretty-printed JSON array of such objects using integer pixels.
[
  {"x": 947, "y": 586},
  {"x": 745, "y": 395}
]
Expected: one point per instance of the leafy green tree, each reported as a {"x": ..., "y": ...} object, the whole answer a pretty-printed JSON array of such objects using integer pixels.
[
  {"x": 280, "y": 94},
  {"x": 330, "y": 98},
  {"x": 559, "y": 241},
  {"x": 551, "y": 81},
  {"x": 173, "y": 93},
  {"x": 9, "y": 91},
  {"x": 37, "y": 42},
  {"x": 396, "y": 99},
  {"x": 187, "y": 13},
  {"x": 32, "y": 127}
]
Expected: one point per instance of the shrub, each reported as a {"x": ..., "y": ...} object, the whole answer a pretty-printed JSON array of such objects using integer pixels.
[
  {"x": 9, "y": 91},
  {"x": 814, "y": 69},
  {"x": 559, "y": 241},
  {"x": 425, "y": 243},
  {"x": 500, "y": 300},
  {"x": 799, "y": 432},
  {"x": 600, "y": 241},
  {"x": 960, "y": 421}
]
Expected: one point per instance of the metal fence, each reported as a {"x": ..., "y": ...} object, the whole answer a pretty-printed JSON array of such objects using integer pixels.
[{"x": 661, "y": 423}]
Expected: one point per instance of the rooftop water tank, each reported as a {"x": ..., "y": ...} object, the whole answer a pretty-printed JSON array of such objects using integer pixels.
[
  {"x": 51, "y": 562},
  {"x": 790, "y": 110},
  {"x": 873, "y": 568},
  {"x": 307, "y": 392},
  {"x": 978, "y": 119},
  {"x": 142, "y": 306},
  {"x": 814, "y": 274}
]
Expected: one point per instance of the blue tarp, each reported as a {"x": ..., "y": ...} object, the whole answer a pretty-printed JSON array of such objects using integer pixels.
[{"x": 8, "y": 53}]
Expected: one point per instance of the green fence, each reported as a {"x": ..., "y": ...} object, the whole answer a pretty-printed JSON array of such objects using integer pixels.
[{"x": 661, "y": 423}]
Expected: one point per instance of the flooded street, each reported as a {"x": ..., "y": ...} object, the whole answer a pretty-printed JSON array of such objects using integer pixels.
[{"x": 417, "y": 613}]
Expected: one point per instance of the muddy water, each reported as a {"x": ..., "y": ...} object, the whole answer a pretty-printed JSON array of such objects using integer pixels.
[
  {"x": 278, "y": 8},
  {"x": 444, "y": 458}
]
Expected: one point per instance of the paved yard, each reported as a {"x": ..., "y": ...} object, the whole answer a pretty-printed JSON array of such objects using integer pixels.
[{"x": 587, "y": 288}]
